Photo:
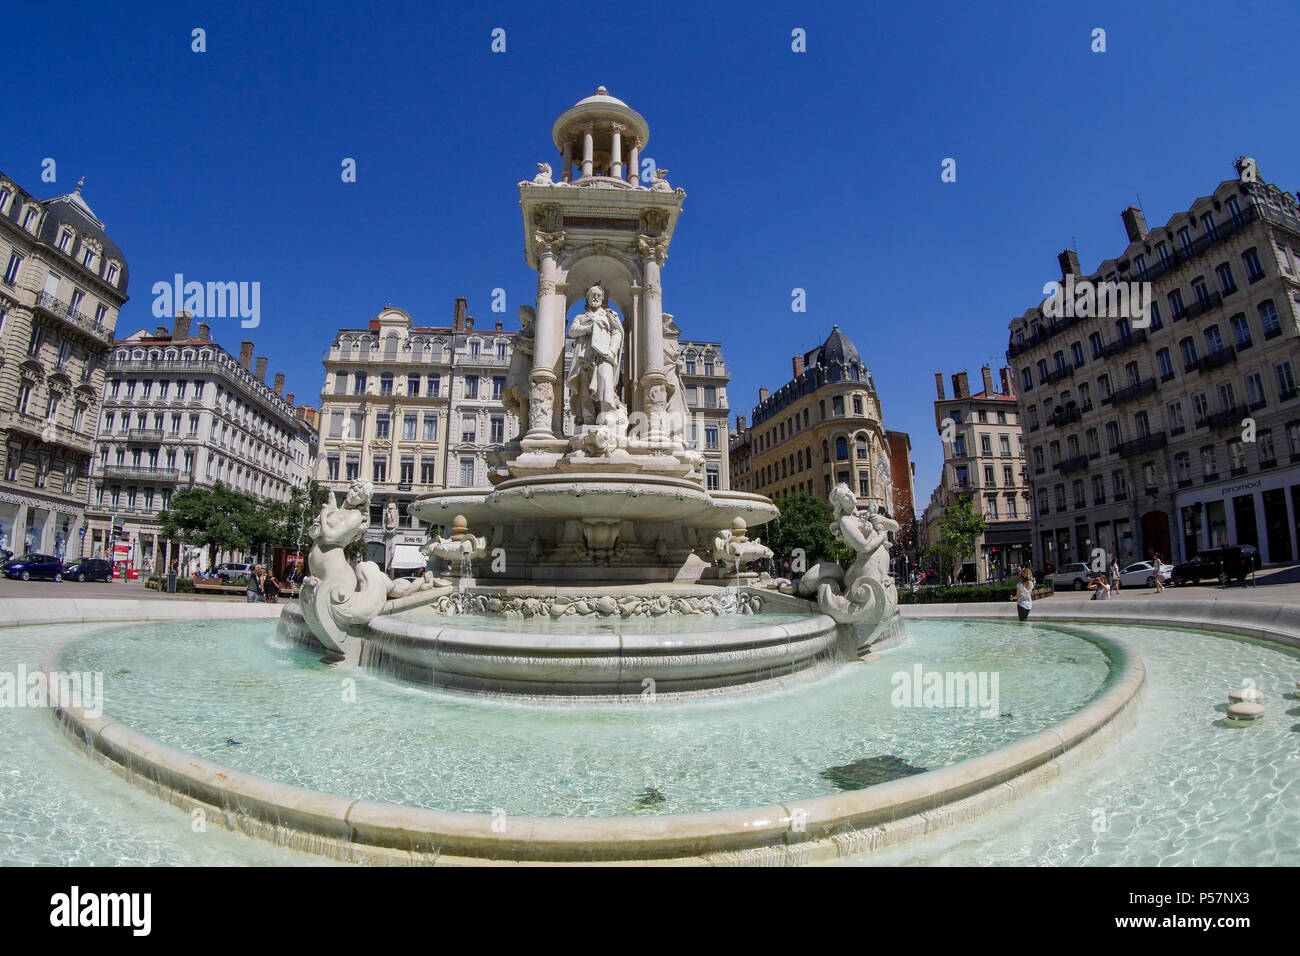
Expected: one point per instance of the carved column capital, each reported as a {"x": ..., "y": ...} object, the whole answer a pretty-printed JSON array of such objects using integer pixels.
[
  {"x": 652, "y": 248},
  {"x": 547, "y": 243}
]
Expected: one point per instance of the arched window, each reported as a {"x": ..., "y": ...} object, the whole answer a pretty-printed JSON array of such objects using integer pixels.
[
  {"x": 841, "y": 448},
  {"x": 860, "y": 448},
  {"x": 390, "y": 347},
  {"x": 826, "y": 452}
]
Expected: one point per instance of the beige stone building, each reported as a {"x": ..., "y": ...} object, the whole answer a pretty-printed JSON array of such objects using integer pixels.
[
  {"x": 983, "y": 458},
  {"x": 704, "y": 377},
  {"x": 180, "y": 411},
  {"x": 1183, "y": 434},
  {"x": 822, "y": 428},
  {"x": 63, "y": 282}
]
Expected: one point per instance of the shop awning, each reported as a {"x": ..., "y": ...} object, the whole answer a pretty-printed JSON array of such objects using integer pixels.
[{"x": 407, "y": 557}]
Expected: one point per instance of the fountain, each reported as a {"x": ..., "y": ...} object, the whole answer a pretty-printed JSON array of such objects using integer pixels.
[{"x": 595, "y": 528}]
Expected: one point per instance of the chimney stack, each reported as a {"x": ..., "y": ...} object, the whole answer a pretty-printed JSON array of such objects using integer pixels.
[
  {"x": 938, "y": 384},
  {"x": 289, "y": 398},
  {"x": 796, "y": 364},
  {"x": 1135, "y": 224},
  {"x": 740, "y": 424},
  {"x": 181, "y": 330},
  {"x": 205, "y": 332},
  {"x": 988, "y": 380},
  {"x": 160, "y": 332},
  {"x": 260, "y": 370},
  {"x": 469, "y": 323},
  {"x": 960, "y": 386},
  {"x": 1008, "y": 382},
  {"x": 498, "y": 325},
  {"x": 246, "y": 354},
  {"x": 279, "y": 383},
  {"x": 762, "y": 394},
  {"x": 458, "y": 316},
  {"x": 1069, "y": 260}
]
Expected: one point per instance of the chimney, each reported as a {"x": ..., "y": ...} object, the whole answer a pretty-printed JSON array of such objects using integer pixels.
[
  {"x": 469, "y": 323},
  {"x": 181, "y": 330},
  {"x": 458, "y": 316},
  {"x": 1008, "y": 382},
  {"x": 246, "y": 353},
  {"x": 938, "y": 384},
  {"x": 740, "y": 424},
  {"x": 1069, "y": 260},
  {"x": 160, "y": 332},
  {"x": 762, "y": 394},
  {"x": 796, "y": 363},
  {"x": 498, "y": 325},
  {"x": 260, "y": 369},
  {"x": 279, "y": 383},
  {"x": 1135, "y": 224},
  {"x": 205, "y": 332},
  {"x": 289, "y": 398},
  {"x": 988, "y": 379},
  {"x": 960, "y": 386}
]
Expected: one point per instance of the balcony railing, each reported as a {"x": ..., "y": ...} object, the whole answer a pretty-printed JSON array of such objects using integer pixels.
[
  {"x": 1123, "y": 344},
  {"x": 1231, "y": 418},
  {"x": 1131, "y": 392},
  {"x": 1064, "y": 416},
  {"x": 1069, "y": 465},
  {"x": 1060, "y": 375},
  {"x": 144, "y": 434},
  {"x": 1216, "y": 359},
  {"x": 141, "y": 473},
  {"x": 61, "y": 310},
  {"x": 1202, "y": 306},
  {"x": 1139, "y": 446}
]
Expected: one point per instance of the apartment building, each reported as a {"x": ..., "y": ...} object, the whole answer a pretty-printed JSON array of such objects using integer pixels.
[
  {"x": 984, "y": 462},
  {"x": 179, "y": 411},
  {"x": 1184, "y": 433},
  {"x": 822, "y": 428},
  {"x": 704, "y": 377},
  {"x": 63, "y": 284}
]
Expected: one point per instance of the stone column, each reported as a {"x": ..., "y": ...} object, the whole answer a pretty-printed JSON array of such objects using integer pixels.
[
  {"x": 634, "y": 163},
  {"x": 588, "y": 147},
  {"x": 548, "y": 342},
  {"x": 616, "y": 151},
  {"x": 567, "y": 160},
  {"x": 650, "y": 332}
]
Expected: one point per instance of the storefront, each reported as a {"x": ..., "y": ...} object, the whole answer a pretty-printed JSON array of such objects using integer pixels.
[
  {"x": 1005, "y": 550},
  {"x": 1260, "y": 511}
]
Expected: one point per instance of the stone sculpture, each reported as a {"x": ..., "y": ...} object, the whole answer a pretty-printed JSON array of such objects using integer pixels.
[
  {"x": 515, "y": 393},
  {"x": 734, "y": 549},
  {"x": 597, "y": 358},
  {"x": 338, "y": 599},
  {"x": 457, "y": 548},
  {"x": 865, "y": 594}
]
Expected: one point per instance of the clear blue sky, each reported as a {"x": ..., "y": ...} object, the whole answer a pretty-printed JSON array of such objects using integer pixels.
[{"x": 817, "y": 170}]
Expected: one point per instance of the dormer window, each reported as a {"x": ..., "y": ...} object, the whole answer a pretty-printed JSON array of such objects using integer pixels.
[
  {"x": 29, "y": 218},
  {"x": 111, "y": 273},
  {"x": 65, "y": 241},
  {"x": 6, "y": 193}
]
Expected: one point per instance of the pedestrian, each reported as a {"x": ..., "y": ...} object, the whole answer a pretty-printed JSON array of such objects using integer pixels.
[
  {"x": 1160, "y": 585},
  {"x": 1114, "y": 572},
  {"x": 1101, "y": 589},
  {"x": 1025, "y": 594},
  {"x": 253, "y": 587},
  {"x": 270, "y": 588}
]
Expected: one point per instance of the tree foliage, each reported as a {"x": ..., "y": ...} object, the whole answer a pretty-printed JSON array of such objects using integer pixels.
[
  {"x": 804, "y": 523},
  {"x": 958, "y": 527}
]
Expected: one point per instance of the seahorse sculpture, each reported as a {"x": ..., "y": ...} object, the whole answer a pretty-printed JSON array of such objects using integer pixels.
[
  {"x": 865, "y": 593},
  {"x": 338, "y": 600}
]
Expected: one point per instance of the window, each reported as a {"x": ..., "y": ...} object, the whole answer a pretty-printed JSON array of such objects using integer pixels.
[
  {"x": 1165, "y": 364},
  {"x": 1188, "y": 345},
  {"x": 359, "y": 383},
  {"x": 841, "y": 449},
  {"x": 1236, "y": 457},
  {"x": 379, "y": 469},
  {"x": 1185, "y": 239},
  {"x": 1254, "y": 271},
  {"x": 386, "y": 384},
  {"x": 1268, "y": 319},
  {"x": 1264, "y": 445},
  {"x": 1120, "y": 482},
  {"x": 474, "y": 349},
  {"x": 1090, "y": 440},
  {"x": 331, "y": 467},
  {"x": 1209, "y": 468},
  {"x": 428, "y": 470},
  {"x": 353, "y": 468},
  {"x": 497, "y": 427},
  {"x": 1131, "y": 373},
  {"x": 1112, "y": 436},
  {"x": 430, "y": 432},
  {"x": 408, "y": 427},
  {"x": 413, "y": 385},
  {"x": 467, "y": 472},
  {"x": 1176, "y": 307},
  {"x": 988, "y": 476},
  {"x": 1154, "y": 311},
  {"x": 1174, "y": 416},
  {"x": 1026, "y": 379},
  {"x": 336, "y": 423},
  {"x": 711, "y": 437},
  {"x": 986, "y": 446},
  {"x": 1042, "y": 371},
  {"x": 1033, "y": 418},
  {"x": 498, "y": 385},
  {"x": 1201, "y": 292},
  {"x": 471, "y": 387},
  {"x": 1285, "y": 381},
  {"x": 1255, "y": 391},
  {"x": 434, "y": 385},
  {"x": 1227, "y": 285},
  {"x": 1142, "y": 424},
  {"x": 469, "y": 428},
  {"x": 111, "y": 274},
  {"x": 406, "y": 470},
  {"x": 1103, "y": 388},
  {"x": 1213, "y": 340},
  {"x": 502, "y": 350},
  {"x": 1241, "y": 331},
  {"x": 1183, "y": 468},
  {"x": 381, "y": 425},
  {"x": 712, "y": 479},
  {"x": 12, "y": 270},
  {"x": 1038, "y": 460},
  {"x": 1200, "y": 408},
  {"x": 1085, "y": 397}
]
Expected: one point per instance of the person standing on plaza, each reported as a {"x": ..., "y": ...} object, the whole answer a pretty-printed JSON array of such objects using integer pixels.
[
  {"x": 1025, "y": 594},
  {"x": 1160, "y": 585},
  {"x": 253, "y": 588},
  {"x": 1114, "y": 574}
]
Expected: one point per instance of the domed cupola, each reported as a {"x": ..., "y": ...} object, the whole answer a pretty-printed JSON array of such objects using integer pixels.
[{"x": 603, "y": 137}]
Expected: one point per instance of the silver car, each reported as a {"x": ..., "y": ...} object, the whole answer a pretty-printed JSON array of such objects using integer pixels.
[{"x": 1143, "y": 574}]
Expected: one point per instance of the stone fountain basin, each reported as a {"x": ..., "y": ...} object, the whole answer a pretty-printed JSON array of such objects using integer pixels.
[{"x": 599, "y": 497}]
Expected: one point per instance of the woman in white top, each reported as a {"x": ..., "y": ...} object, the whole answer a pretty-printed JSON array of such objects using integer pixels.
[
  {"x": 1114, "y": 571},
  {"x": 1160, "y": 584},
  {"x": 1101, "y": 589},
  {"x": 1025, "y": 594}
]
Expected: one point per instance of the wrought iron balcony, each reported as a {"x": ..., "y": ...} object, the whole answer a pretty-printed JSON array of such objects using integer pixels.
[
  {"x": 1070, "y": 465},
  {"x": 1139, "y": 446},
  {"x": 1212, "y": 360},
  {"x": 1123, "y": 344},
  {"x": 1131, "y": 392},
  {"x": 144, "y": 434},
  {"x": 1064, "y": 415},
  {"x": 141, "y": 473},
  {"x": 1231, "y": 418},
  {"x": 1202, "y": 306},
  {"x": 84, "y": 323}
]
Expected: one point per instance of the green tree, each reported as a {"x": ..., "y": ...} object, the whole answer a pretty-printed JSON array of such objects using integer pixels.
[
  {"x": 804, "y": 523},
  {"x": 214, "y": 518},
  {"x": 958, "y": 527}
]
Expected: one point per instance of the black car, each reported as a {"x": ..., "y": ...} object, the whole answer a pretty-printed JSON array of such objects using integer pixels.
[
  {"x": 33, "y": 565},
  {"x": 89, "y": 569},
  {"x": 1216, "y": 564}
]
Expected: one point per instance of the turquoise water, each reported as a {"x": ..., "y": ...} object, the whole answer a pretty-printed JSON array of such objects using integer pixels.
[{"x": 1182, "y": 787}]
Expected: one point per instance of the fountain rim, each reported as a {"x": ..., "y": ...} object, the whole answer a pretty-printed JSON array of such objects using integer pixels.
[{"x": 370, "y": 831}]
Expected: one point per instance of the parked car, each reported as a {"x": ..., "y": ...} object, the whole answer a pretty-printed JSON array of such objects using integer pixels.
[
  {"x": 232, "y": 571},
  {"x": 33, "y": 565},
  {"x": 1077, "y": 576},
  {"x": 1216, "y": 564},
  {"x": 1143, "y": 574},
  {"x": 89, "y": 569}
]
